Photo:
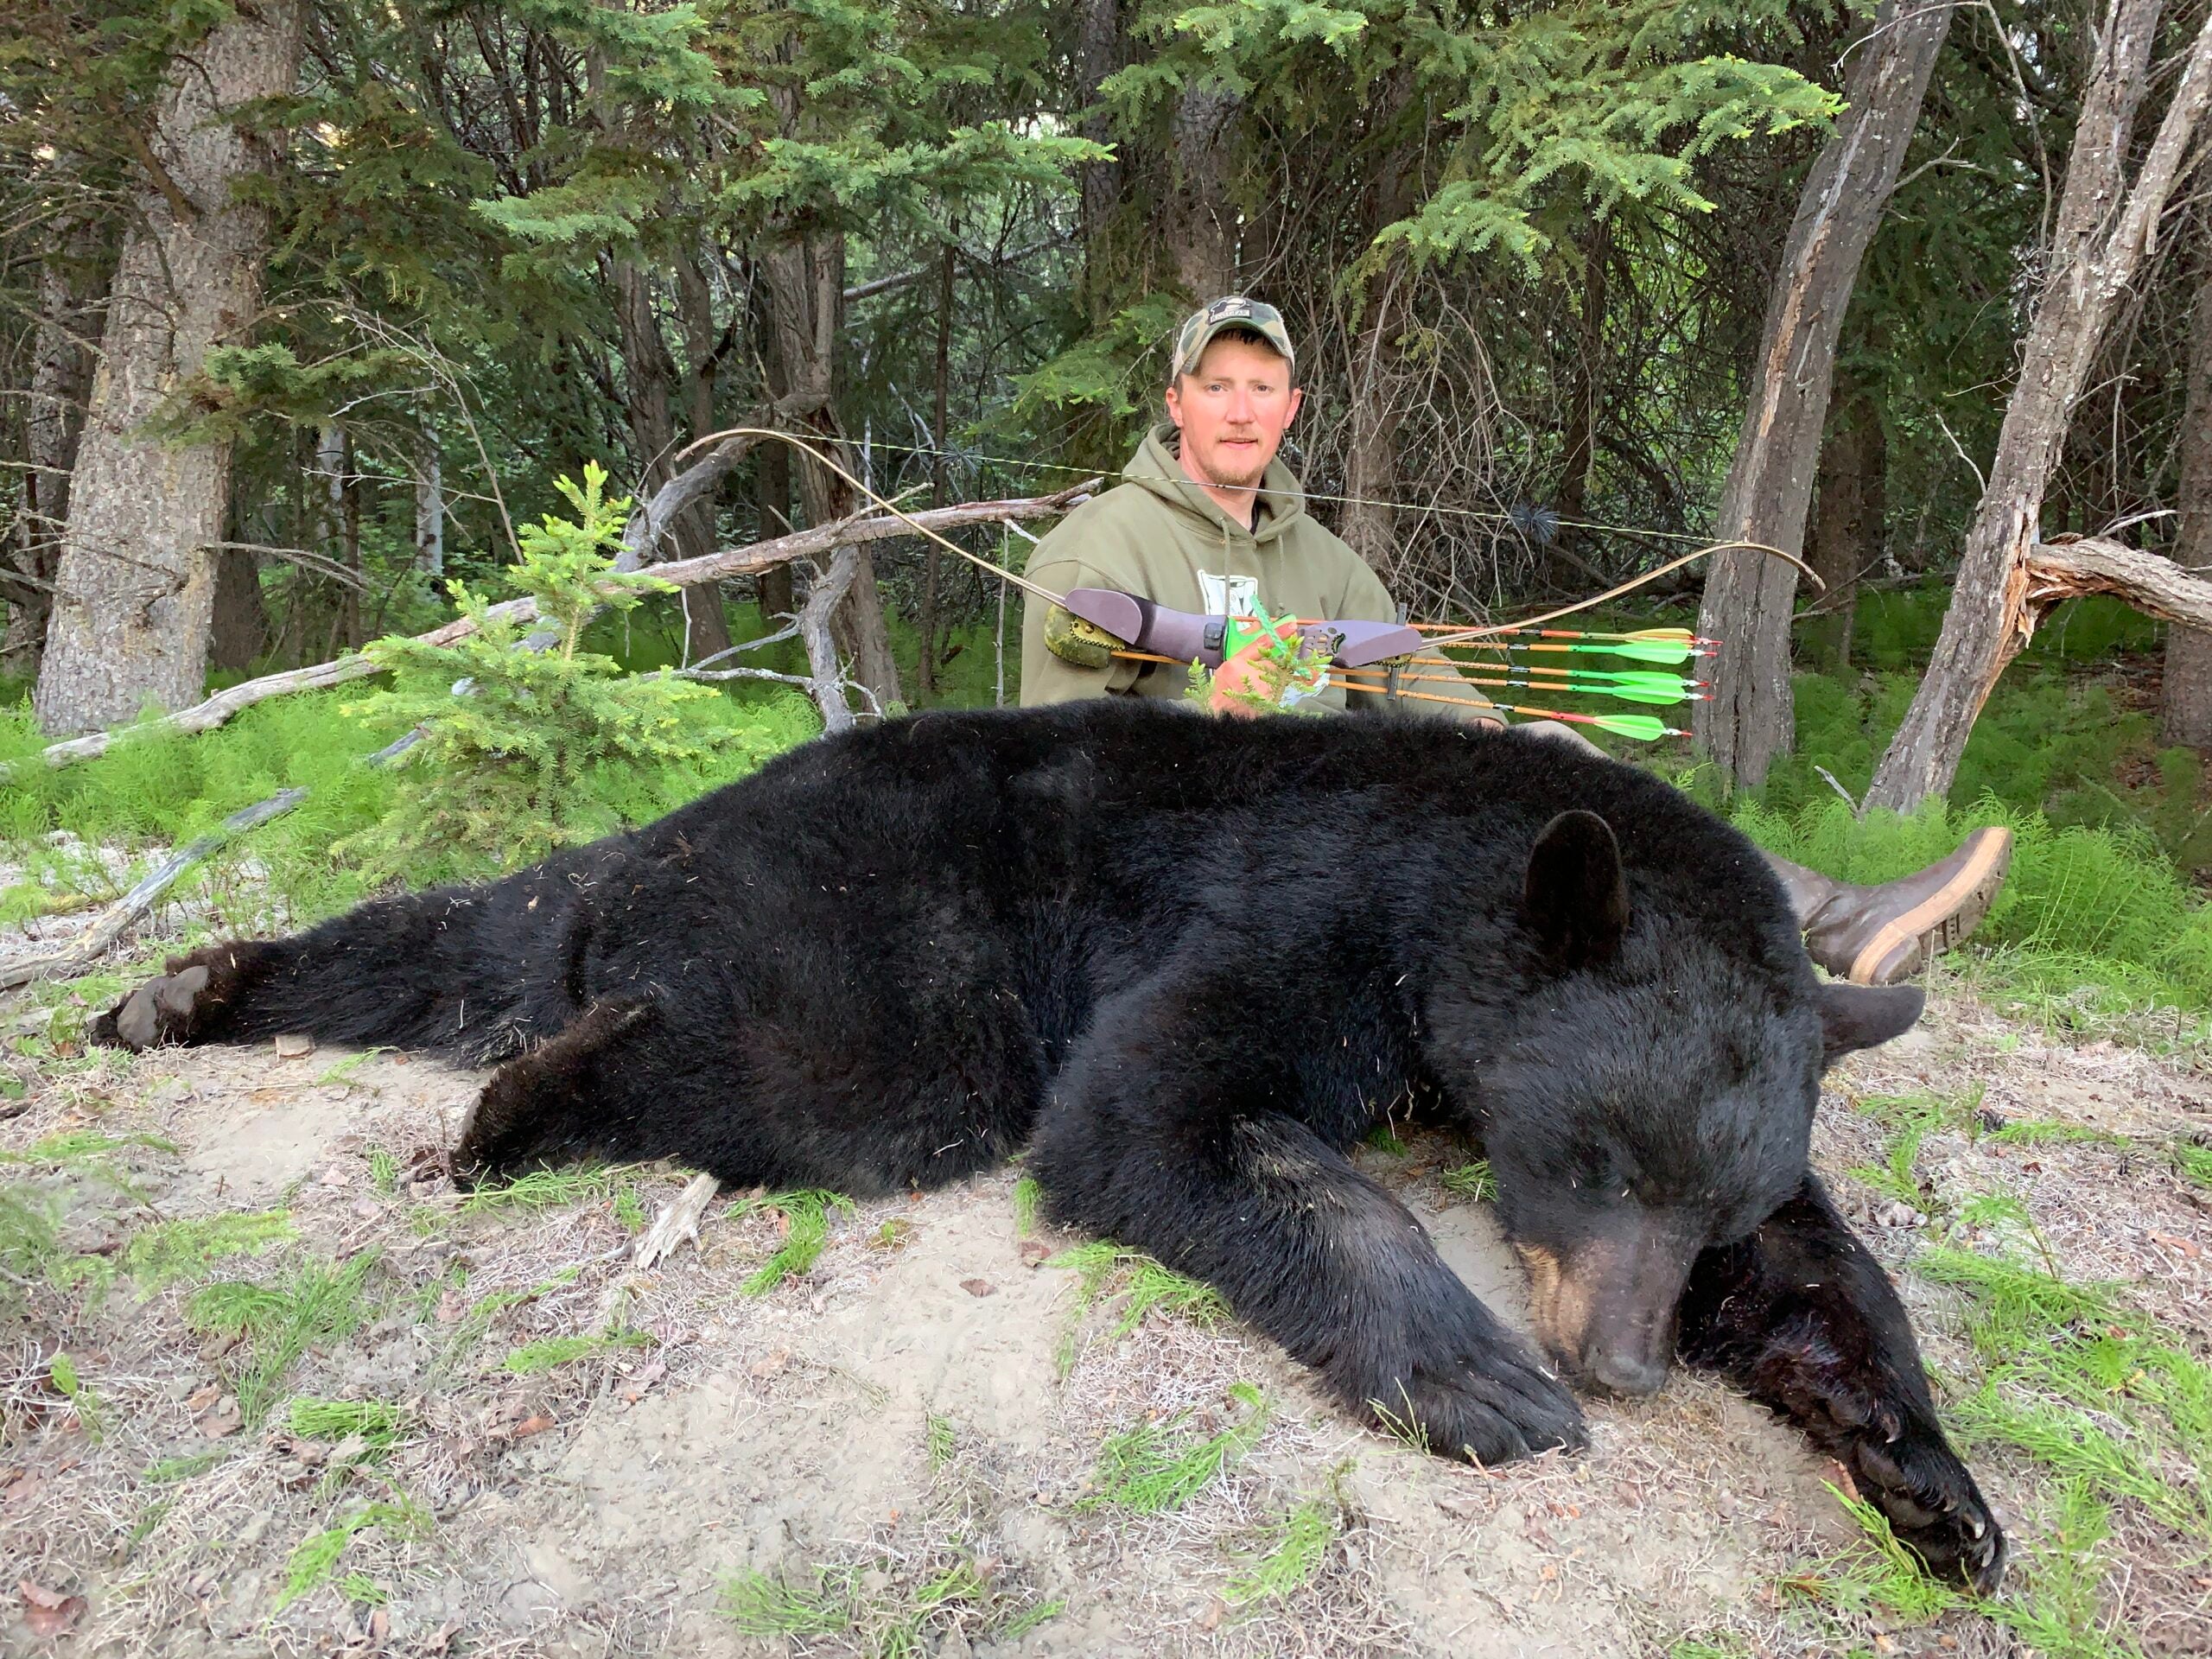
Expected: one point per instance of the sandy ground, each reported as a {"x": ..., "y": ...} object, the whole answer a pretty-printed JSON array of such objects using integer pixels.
[{"x": 907, "y": 1409}]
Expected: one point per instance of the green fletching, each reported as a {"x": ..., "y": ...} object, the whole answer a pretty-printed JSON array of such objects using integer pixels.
[
  {"x": 1668, "y": 651},
  {"x": 1645, "y": 728},
  {"x": 1643, "y": 687}
]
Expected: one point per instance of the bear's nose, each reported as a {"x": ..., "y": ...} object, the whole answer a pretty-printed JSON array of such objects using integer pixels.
[{"x": 1626, "y": 1373}]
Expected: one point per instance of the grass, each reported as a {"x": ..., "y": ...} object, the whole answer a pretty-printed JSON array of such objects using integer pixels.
[
  {"x": 1141, "y": 1288},
  {"x": 806, "y": 1218},
  {"x": 376, "y": 1423},
  {"x": 79, "y": 1146},
  {"x": 384, "y": 1172},
  {"x": 1148, "y": 1467},
  {"x": 313, "y": 1561},
  {"x": 938, "y": 1441},
  {"x": 534, "y": 1358},
  {"x": 475, "y": 1325},
  {"x": 900, "y": 1620},
  {"x": 61, "y": 1370},
  {"x": 541, "y": 1190},
  {"x": 188, "y": 1247},
  {"x": 319, "y": 1302},
  {"x": 1027, "y": 1195},
  {"x": 342, "y": 1072},
  {"x": 1293, "y": 1558},
  {"x": 1473, "y": 1183}
]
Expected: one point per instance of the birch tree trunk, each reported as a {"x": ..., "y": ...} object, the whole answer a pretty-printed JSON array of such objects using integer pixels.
[
  {"x": 1748, "y": 597},
  {"x": 2103, "y": 232},
  {"x": 2188, "y": 693},
  {"x": 135, "y": 586}
]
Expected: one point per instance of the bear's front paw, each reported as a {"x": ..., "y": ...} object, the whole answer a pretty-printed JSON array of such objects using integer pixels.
[
  {"x": 1492, "y": 1407},
  {"x": 1932, "y": 1503},
  {"x": 157, "y": 1013}
]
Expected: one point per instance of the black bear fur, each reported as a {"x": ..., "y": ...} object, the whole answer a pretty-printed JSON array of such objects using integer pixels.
[{"x": 1189, "y": 963}]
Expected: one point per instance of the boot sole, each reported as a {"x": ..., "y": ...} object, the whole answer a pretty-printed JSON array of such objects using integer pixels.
[{"x": 1939, "y": 922}]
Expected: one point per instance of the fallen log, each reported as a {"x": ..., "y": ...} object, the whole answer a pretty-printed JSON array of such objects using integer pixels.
[{"x": 749, "y": 560}]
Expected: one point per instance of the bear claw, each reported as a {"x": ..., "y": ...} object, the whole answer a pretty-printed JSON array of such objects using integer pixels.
[{"x": 1933, "y": 1507}]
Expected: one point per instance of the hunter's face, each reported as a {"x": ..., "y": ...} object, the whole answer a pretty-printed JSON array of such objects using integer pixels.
[{"x": 1233, "y": 413}]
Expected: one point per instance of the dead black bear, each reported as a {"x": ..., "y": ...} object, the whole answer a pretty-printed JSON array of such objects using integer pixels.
[{"x": 1190, "y": 962}]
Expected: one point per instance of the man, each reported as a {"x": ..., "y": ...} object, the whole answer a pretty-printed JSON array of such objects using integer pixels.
[{"x": 1208, "y": 520}]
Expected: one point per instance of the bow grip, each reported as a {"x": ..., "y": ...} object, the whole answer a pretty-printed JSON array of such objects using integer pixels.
[{"x": 1189, "y": 638}]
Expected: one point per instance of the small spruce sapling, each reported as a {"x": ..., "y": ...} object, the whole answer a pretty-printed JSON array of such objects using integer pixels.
[{"x": 545, "y": 747}]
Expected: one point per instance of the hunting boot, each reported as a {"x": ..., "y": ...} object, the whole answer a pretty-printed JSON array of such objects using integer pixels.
[{"x": 1877, "y": 935}]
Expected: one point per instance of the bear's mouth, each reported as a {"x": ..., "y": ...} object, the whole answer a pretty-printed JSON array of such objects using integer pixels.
[{"x": 1603, "y": 1310}]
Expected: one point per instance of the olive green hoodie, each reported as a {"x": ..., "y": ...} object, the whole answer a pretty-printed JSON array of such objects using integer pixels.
[{"x": 1161, "y": 536}]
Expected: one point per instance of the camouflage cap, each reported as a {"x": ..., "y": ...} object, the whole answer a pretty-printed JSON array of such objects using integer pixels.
[{"x": 1219, "y": 316}]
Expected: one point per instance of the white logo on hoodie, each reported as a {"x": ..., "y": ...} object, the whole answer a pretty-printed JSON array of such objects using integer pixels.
[{"x": 1228, "y": 595}]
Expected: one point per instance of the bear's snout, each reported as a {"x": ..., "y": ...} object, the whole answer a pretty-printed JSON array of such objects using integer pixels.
[{"x": 1604, "y": 1309}]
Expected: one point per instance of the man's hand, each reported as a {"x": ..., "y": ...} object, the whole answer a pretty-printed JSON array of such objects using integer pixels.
[{"x": 1249, "y": 682}]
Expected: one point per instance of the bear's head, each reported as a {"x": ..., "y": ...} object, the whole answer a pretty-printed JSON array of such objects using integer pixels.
[{"x": 1655, "y": 1097}]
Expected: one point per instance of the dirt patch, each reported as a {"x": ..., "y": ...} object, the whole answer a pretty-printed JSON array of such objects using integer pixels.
[{"x": 897, "y": 1450}]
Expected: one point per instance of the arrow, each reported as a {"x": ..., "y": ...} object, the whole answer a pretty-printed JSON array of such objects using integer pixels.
[{"x": 1630, "y": 685}]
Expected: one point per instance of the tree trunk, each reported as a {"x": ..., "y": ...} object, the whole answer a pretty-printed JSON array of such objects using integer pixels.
[
  {"x": 71, "y": 279},
  {"x": 341, "y": 529},
  {"x": 650, "y": 376},
  {"x": 1368, "y": 522},
  {"x": 239, "y": 630},
  {"x": 926, "y": 661},
  {"x": 1200, "y": 225},
  {"x": 134, "y": 588},
  {"x": 2104, "y": 229},
  {"x": 1585, "y": 389},
  {"x": 2188, "y": 696},
  {"x": 706, "y": 624},
  {"x": 1749, "y": 597},
  {"x": 429, "y": 512},
  {"x": 805, "y": 277},
  {"x": 1850, "y": 505},
  {"x": 771, "y": 477},
  {"x": 1099, "y": 50}
]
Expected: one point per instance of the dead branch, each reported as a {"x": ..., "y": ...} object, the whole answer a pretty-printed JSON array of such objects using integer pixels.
[
  {"x": 2057, "y": 571},
  {"x": 94, "y": 943},
  {"x": 713, "y": 567}
]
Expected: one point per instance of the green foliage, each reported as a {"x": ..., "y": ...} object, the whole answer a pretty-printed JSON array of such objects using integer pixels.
[
  {"x": 1140, "y": 1285},
  {"x": 757, "y": 1604},
  {"x": 317, "y": 1303},
  {"x": 805, "y": 1215},
  {"x": 1148, "y": 1467},
  {"x": 547, "y": 748}
]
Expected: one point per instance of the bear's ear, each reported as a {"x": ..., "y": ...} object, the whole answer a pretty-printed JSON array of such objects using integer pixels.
[
  {"x": 1853, "y": 1017},
  {"x": 1573, "y": 894}
]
